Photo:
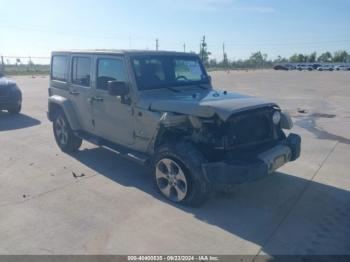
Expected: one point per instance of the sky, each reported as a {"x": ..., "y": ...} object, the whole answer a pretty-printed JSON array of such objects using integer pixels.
[{"x": 275, "y": 27}]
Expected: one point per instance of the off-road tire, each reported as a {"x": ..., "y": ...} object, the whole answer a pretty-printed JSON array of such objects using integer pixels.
[
  {"x": 190, "y": 160},
  {"x": 15, "y": 110},
  {"x": 73, "y": 142}
]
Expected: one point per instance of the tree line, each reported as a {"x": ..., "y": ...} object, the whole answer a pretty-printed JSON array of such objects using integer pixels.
[{"x": 260, "y": 60}]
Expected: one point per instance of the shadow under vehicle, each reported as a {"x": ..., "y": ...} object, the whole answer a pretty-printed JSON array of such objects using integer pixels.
[
  {"x": 160, "y": 109},
  {"x": 12, "y": 122}
]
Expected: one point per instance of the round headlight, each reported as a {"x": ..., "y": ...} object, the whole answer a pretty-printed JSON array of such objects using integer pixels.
[{"x": 276, "y": 118}]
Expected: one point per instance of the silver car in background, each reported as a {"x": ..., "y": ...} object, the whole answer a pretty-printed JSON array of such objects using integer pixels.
[
  {"x": 342, "y": 68},
  {"x": 325, "y": 68}
]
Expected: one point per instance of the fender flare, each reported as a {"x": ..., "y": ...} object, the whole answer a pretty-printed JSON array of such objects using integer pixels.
[{"x": 67, "y": 107}]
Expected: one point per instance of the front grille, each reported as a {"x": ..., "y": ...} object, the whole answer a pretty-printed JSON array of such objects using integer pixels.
[{"x": 250, "y": 128}]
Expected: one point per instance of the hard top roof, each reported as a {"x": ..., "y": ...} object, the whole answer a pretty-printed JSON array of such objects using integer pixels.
[{"x": 119, "y": 52}]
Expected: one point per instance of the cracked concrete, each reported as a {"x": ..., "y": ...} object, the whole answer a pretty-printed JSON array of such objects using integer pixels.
[{"x": 115, "y": 209}]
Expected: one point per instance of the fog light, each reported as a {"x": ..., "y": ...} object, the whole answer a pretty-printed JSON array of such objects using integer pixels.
[{"x": 276, "y": 118}]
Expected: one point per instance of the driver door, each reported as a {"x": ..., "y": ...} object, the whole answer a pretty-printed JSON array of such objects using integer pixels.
[{"x": 113, "y": 117}]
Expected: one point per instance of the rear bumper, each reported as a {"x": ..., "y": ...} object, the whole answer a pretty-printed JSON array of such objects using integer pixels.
[
  {"x": 227, "y": 174},
  {"x": 9, "y": 102}
]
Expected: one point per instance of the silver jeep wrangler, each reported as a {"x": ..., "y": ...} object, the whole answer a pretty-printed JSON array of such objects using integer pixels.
[{"x": 160, "y": 109}]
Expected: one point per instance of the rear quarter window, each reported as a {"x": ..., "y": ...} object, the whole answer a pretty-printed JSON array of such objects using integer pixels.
[{"x": 59, "y": 68}]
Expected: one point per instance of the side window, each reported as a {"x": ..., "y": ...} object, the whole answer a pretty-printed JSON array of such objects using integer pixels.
[
  {"x": 109, "y": 69},
  {"x": 59, "y": 68},
  {"x": 149, "y": 72},
  {"x": 81, "y": 71}
]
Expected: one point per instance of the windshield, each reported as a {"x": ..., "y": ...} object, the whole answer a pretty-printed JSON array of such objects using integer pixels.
[{"x": 156, "y": 71}]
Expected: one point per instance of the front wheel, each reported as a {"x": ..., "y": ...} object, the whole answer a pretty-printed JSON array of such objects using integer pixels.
[
  {"x": 178, "y": 174},
  {"x": 64, "y": 136}
]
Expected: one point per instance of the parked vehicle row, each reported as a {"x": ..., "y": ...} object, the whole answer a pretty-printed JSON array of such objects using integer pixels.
[{"x": 312, "y": 67}]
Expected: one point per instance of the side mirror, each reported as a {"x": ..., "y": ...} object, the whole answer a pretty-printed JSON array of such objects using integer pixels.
[
  {"x": 210, "y": 79},
  {"x": 117, "y": 88}
]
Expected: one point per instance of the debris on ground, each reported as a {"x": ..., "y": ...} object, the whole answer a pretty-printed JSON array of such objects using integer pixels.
[
  {"x": 302, "y": 111},
  {"x": 77, "y": 176}
]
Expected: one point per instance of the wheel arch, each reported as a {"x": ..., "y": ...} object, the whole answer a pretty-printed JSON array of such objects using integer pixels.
[{"x": 61, "y": 103}]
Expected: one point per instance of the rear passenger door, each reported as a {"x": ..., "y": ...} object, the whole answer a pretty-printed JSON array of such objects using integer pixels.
[
  {"x": 80, "y": 89},
  {"x": 113, "y": 117}
]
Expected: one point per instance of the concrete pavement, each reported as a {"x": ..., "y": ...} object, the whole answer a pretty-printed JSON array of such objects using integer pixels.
[{"x": 111, "y": 206}]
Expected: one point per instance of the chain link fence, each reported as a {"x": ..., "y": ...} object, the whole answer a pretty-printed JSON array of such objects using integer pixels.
[{"x": 24, "y": 65}]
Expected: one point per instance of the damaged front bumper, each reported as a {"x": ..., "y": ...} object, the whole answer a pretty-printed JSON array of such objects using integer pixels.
[{"x": 229, "y": 173}]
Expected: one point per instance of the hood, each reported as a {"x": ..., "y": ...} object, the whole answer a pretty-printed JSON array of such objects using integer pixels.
[
  {"x": 6, "y": 82},
  {"x": 203, "y": 103}
]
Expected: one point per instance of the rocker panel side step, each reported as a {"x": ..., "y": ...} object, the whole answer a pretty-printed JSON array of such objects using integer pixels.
[{"x": 122, "y": 151}]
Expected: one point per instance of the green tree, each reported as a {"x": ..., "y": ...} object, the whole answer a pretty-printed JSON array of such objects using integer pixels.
[
  {"x": 213, "y": 62},
  {"x": 293, "y": 58},
  {"x": 312, "y": 57},
  {"x": 302, "y": 58},
  {"x": 325, "y": 57},
  {"x": 280, "y": 59},
  {"x": 298, "y": 58},
  {"x": 340, "y": 56},
  {"x": 257, "y": 59}
]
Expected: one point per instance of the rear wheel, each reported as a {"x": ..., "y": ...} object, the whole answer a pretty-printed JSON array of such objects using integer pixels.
[
  {"x": 178, "y": 174},
  {"x": 64, "y": 136}
]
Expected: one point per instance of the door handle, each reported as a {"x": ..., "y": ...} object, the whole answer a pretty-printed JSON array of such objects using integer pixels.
[
  {"x": 97, "y": 99},
  {"x": 74, "y": 93}
]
